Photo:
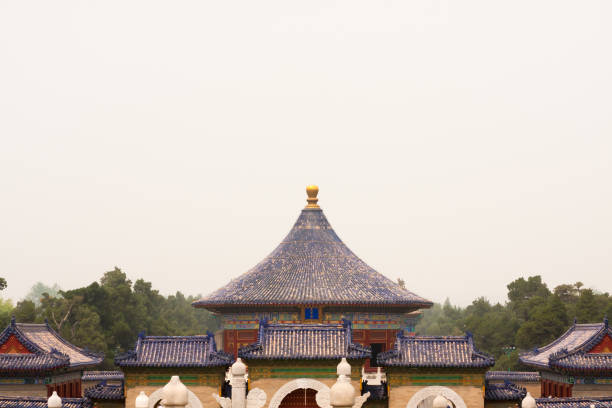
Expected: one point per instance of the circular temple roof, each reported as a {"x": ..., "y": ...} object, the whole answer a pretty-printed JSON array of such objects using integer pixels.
[{"x": 312, "y": 266}]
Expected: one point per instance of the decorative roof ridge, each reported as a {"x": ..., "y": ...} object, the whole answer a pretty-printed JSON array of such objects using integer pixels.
[
  {"x": 96, "y": 375},
  {"x": 513, "y": 375},
  {"x": 13, "y": 329},
  {"x": 544, "y": 400},
  {"x": 512, "y": 390},
  {"x": 264, "y": 325},
  {"x": 537, "y": 350},
  {"x": 83, "y": 350},
  {"x": 584, "y": 347},
  {"x": 105, "y": 391},
  {"x": 42, "y": 399},
  {"x": 194, "y": 337},
  {"x": 207, "y": 341},
  {"x": 402, "y": 340}
]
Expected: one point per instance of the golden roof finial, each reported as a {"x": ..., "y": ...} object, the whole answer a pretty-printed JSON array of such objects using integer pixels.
[{"x": 312, "y": 199}]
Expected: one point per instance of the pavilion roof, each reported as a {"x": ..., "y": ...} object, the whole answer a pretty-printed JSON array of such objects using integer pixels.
[
  {"x": 522, "y": 376},
  {"x": 312, "y": 266},
  {"x": 41, "y": 349},
  {"x": 574, "y": 402},
  {"x": 506, "y": 391},
  {"x": 103, "y": 391},
  {"x": 304, "y": 342},
  {"x": 574, "y": 350},
  {"x": 174, "y": 351},
  {"x": 41, "y": 402},
  {"x": 102, "y": 376},
  {"x": 435, "y": 351}
]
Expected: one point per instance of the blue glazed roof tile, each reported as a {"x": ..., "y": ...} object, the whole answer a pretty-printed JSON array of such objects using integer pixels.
[
  {"x": 174, "y": 351},
  {"x": 304, "y": 341},
  {"x": 504, "y": 392},
  {"x": 522, "y": 376},
  {"x": 435, "y": 351},
  {"x": 105, "y": 391},
  {"x": 40, "y": 402},
  {"x": 102, "y": 376},
  {"x": 48, "y": 349},
  {"x": 312, "y": 266},
  {"x": 570, "y": 352},
  {"x": 599, "y": 402}
]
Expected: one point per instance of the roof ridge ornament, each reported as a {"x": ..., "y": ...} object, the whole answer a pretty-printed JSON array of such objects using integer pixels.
[{"x": 312, "y": 199}]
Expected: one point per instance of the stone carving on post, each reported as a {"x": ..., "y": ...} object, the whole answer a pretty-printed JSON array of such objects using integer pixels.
[
  {"x": 256, "y": 399},
  {"x": 142, "y": 401},
  {"x": 528, "y": 401},
  {"x": 54, "y": 401},
  {"x": 174, "y": 394},
  {"x": 342, "y": 393}
]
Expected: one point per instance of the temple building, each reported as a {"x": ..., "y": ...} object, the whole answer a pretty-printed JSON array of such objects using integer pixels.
[
  {"x": 156, "y": 358},
  {"x": 577, "y": 364},
  {"x": 442, "y": 361},
  {"x": 35, "y": 361},
  {"x": 313, "y": 278},
  {"x": 529, "y": 380}
]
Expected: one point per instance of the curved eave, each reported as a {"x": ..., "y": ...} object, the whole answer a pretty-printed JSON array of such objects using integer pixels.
[
  {"x": 219, "y": 306},
  {"x": 129, "y": 364},
  {"x": 247, "y": 356}
]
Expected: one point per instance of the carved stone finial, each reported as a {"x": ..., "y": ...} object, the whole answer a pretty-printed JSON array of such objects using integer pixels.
[
  {"x": 528, "y": 402},
  {"x": 142, "y": 401},
  {"x": 175, "y": 393},
  {"x": 54, "y": 401}
]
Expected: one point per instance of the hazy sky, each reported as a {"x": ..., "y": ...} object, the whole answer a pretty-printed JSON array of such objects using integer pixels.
[{"x": 457, "y": 144}]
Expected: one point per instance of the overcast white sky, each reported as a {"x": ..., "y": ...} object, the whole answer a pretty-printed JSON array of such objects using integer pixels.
[{"x": 457, "y": 144}]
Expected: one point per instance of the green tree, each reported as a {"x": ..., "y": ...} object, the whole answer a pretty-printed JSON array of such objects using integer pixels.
[
  {"x": 25, "y": 312},
  {"x": 525, "y": 295},
  {"x": 2, "y": 283},
  {"x": 546, "y": 322},
  {"x": 587, "y": 308},
  {"x": 39, "y": 289},
  {"x": 6, "y": 310}
]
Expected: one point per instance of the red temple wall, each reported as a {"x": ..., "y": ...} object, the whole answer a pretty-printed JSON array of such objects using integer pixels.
[
  {"x": 13, "y": 346},
  {"x": 604, "y": 346}
]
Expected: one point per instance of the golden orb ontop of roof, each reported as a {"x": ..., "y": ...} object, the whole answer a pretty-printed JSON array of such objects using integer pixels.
[{"x": 312, "y": 199}]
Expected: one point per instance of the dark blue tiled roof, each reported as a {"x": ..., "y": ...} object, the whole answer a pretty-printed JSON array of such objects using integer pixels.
[
  {"x": 174, "y": 351},
  {"x": 574, "y": 402},
  {"x": 522, "y": 376},
  {"x": 304, "y": 341},
  {"x": 48, "y": 350},
  {"x": 504, "y": 392},
  {"x": 570, "y": 352},
  {"x": 102, "y": 376},
  {"x": 105, "y": 391},
  {"x": 312, "y": 266},
  {"x": 435, "y": 351},
  {"x": 19, "y": 363},
  {"x": 40, "y": 402}
]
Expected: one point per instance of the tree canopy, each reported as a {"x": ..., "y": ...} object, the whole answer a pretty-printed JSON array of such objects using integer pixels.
[
  {"x": 107, "y": 316},
  {"x": 533, "y": 316}
]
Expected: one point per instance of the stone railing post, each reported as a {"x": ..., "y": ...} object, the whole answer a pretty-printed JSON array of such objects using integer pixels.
[
  {"x": 142, "y": 401},
  {"x": 342, "y": 393},
  {"x": 238, "y": 383},
  {"x": 54, "y": 401},
  {"x": 175, "y": 394},
  {"x": 528, "y": 402}
]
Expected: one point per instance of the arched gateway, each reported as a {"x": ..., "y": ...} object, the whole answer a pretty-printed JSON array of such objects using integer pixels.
[
  {"x": 303, "y": 392},
  {"x": 425, "y": 396}
]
